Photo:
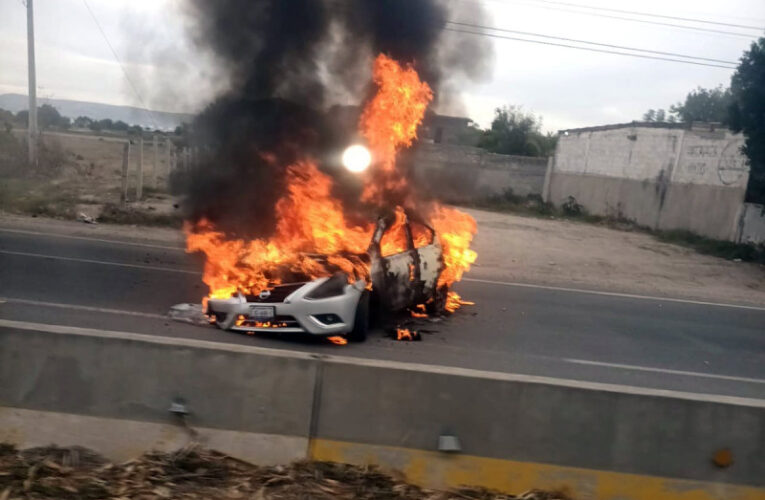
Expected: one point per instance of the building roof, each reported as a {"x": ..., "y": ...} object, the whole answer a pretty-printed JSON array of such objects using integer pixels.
[{"x": 680, "y": 125}]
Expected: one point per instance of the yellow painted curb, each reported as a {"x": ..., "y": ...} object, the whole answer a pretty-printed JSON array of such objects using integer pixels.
[{"x": 439, "y": 470}]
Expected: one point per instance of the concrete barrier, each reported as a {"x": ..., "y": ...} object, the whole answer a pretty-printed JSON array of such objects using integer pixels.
[
  {"x": 58, "y": 372},
  {"x": 468, "y": 174},
  {"x": 112, "y": 391}
]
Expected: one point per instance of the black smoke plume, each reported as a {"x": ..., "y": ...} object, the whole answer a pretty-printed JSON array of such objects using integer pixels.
[{"x": 288, "y": 62}]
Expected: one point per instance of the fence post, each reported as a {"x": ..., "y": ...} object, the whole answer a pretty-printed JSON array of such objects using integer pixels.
[
  {"x": 548, "y": 178},
  {"x": 139, "y": 184},
  {"x": 154, "y": 164},
  {"x": 125, "y": 162},
  {"x": 168, "y": 160}
]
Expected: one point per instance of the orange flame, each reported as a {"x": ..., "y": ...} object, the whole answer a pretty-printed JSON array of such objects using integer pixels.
[
  {"x": 390, "y": 120},
  {"x": 405, "y": 334},
  {"x": 313, "y": 236},
  {"x": 454, "y": 302},
  {"x": 309, "y": 222},
  {"x": 338, "y": 340}
]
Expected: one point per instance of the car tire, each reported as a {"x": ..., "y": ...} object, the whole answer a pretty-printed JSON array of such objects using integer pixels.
[
  {"x": 437, "y": 306},
  {"x": 361, "y": 320}
]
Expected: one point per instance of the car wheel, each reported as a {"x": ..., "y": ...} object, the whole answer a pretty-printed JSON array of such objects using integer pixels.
[
  {"x": 438, "y": 304},
  {"x": 361, "y": 320}
]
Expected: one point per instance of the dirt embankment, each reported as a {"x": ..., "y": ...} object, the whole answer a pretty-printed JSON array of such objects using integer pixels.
[{"x": 574, "y": 254}]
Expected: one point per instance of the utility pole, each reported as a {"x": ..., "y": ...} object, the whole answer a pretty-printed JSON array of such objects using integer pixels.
[
  {"x": 139, "y": 182},
  {"x": 154, "y": 165},
  {"x": 125, "y": 164},
  {"x": 32, "y": 136}
]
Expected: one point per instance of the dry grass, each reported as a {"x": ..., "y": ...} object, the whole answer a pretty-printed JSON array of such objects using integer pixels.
[{"x": 196, "y": 473}]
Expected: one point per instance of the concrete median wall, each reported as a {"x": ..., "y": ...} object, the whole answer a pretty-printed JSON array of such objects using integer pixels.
[
  {"x": 112, "y": 391},
  {"x": 468, "y": 174}
]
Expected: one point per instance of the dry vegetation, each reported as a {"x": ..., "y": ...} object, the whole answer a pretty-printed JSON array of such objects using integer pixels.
[
  {"x": 81, "y": 174},
  {"x": 197, "y": 473}
]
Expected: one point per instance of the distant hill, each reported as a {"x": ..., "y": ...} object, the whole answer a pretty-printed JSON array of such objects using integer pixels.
[{"x": 128, "y": 114}]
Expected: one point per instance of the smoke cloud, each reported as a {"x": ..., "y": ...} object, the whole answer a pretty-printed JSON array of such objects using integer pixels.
[{"x": 288, "y": 64}]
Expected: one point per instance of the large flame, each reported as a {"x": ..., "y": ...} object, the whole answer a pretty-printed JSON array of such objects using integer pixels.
[
  {"x": 313, "y": 236},
  {"x": 389, "y": 122},
  {"x": 309, "y": 221}
]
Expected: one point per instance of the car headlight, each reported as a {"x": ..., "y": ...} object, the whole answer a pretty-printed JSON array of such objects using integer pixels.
[{"x": 333, "y": 287}]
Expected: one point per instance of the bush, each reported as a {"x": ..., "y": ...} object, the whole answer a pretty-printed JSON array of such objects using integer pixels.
[{"x": 571, "y": 208}]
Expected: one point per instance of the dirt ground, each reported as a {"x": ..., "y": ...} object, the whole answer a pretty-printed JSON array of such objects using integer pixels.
[
  {"x": 576, "y": 254},
  {"x": 541, "y": 251},
  {"x": 89, "y": 178}
]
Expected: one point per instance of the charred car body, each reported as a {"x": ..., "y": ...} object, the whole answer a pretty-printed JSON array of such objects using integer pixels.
[{"x": 335, "y": 305}]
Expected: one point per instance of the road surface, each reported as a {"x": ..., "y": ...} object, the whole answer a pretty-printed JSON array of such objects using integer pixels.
[{"x": 128, "y": 285}]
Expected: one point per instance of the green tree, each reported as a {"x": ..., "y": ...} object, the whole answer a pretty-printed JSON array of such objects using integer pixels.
[
  {"x": 48, "y": 116},
  {"x": 22, "y": 118},
  {"x": 7, "y": 119},
  {"x": 514, "y": 132},
  {"x": 747, "y": 115},
  {"x": 658, "y": 116},
  {"x": 83, "y": 122},
  {"x": 704, "y": 105},
  {"x": 121, "y": 126}
]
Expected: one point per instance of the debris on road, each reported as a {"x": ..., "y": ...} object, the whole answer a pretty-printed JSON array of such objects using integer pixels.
[
  {"x": 87, "y": 219},
  {"x": 407, "y": 334},
  {"x": 197, "y": 473},
  {"x": 189, "y": 313}
]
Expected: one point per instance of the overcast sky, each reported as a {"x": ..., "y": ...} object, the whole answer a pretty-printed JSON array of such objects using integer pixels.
[{"x": 569, "y": 88}]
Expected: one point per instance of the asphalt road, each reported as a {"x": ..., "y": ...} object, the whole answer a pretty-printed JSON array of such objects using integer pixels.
[{"x": 129, "y": 285}]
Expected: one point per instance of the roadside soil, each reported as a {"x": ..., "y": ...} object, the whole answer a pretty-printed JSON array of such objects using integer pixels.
[
  {"x": 530, "y": 250},
  {"x": 577, "y": 254},
  {"x": 84, "y": 176}
]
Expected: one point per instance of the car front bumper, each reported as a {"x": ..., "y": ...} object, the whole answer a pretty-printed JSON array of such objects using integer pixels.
[{"x": 295, "y": 314}]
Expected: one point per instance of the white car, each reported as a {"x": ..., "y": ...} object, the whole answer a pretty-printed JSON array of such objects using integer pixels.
[{"x": 333, "y": 306}]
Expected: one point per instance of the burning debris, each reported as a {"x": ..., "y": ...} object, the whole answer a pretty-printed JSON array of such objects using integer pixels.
[
  {"x": 195, "y": 473},
  {"x": 407, "y": 334},
  {"x": 269, "y": 206}
]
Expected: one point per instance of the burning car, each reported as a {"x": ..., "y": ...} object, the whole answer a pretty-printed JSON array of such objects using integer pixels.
[
  {"x": 404, "y": 259},
  {"x": 317, "y": 262}
]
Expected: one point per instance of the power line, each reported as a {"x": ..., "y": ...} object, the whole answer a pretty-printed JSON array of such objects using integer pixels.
[
  {"x": 589, "y": 49},
  {"x": 117, "y": 58},
  {"x": 622, "y": 47},
  {"x": 632, "y": 19},
  {"x": 649, "y": 14}
]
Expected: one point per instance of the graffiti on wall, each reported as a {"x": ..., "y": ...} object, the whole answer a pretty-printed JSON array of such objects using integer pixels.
[{"x": 720, "y": 163}]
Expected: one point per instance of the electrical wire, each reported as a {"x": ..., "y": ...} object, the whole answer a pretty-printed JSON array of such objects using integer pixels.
[
  {"x": 622, "y": 47},
  {"x": 604, "y": 51},
  {"x": 649, "y": 14},
  {"x": 632, "y": 19},
  {"x": 117, "y": 58}
]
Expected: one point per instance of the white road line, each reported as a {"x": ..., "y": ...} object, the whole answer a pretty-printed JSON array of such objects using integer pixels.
[
  {"x": 80, "y": 308},
  {"x": 87, "y": 238},
  {"x": 664, "y": 370},
  {"x": 613, "y": 294},
  {"x": 101, "y": 262}
]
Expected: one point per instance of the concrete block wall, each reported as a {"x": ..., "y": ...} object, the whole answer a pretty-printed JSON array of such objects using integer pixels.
[
  {"x": 660, "y": 177},
  {"x": 752, "y": 224},
  {"x": 463, "y": 173},
  {"x": 112, "y": 391}
]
